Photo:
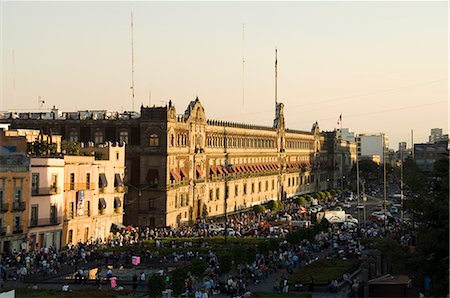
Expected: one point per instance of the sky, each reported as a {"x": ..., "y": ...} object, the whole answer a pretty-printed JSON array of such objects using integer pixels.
[{"x": 382, "y": 65}]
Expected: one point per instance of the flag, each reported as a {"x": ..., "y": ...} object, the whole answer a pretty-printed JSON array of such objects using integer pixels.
[{"x": 340, "y": 119}]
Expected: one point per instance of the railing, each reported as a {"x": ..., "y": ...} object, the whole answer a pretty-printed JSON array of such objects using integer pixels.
[
  {"x": 42, "y": 191},
  {"x": 79, "y": 186},
  {"x": 40, "y": 222},
  {"x": 121, "y": 189},
  {"x": 18, "y": 206},
  {"x": 4, "y": 207},
  {"x": 18, "y": 229}
]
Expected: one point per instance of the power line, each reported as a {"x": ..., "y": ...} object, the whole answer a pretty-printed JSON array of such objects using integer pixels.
[
  {"x": 342, "y": 98},
  {"x": 382, "y": 111}
]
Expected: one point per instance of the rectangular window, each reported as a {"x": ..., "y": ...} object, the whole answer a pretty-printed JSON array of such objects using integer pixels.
[
  {"x": 54, "y": 184},
  {"x": 98, "y": 137},
  {"x": 72, "y": 181},
  {"x": 34, "y": 215},
  {"x": 70, "y": 236},
  {"x": 273, "y": 184},
  {"x": 259, "y": 187},
  {"x": 253, "y": 187},
  {"x": 17, "y": 224},
  {"x": 245, "y": 189},
  {"x": 88, "y": 181},
  {"x": 236, "y": 190},
  {"x": 267, "y": 185},
  {"x": 211, "y": 194},
  {"x": 71, "y": 210},
  {"x": 123, "y": 137},
  {"x": 35, "y": 183},
  {"x": 151, "y": 204},
  {"x": 53, "y": 214},
  {"x": 217, "y": 193}
]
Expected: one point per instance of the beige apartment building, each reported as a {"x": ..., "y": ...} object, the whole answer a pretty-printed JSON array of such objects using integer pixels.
[
  {"x": 14, "y": 193},
  {"x": 93, "y": 192}
]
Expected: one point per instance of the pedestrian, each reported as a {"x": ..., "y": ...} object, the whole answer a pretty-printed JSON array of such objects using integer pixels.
[
  {"x": 135, "y": 282},
  {"x": 311, "y": 284},
  {"x": 142, "y": 279}
]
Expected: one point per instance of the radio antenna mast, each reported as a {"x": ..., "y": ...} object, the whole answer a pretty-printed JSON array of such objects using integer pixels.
[
  {"x": 243, "y": 67},
  {"x": 132, "y": 64}
]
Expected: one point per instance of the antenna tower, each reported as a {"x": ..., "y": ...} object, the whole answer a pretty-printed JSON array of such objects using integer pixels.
[
  {"x": 243, "y": 67},
  {"x": 132, "y": 64}
]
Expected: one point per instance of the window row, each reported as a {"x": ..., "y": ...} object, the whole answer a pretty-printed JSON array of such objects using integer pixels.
[
  {"x": 239, "y": 142},
  {"x": 299, "y": 145}
]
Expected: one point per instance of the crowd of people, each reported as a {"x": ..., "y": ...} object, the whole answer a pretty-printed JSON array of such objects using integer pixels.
[{"x": 334, "y": 243}]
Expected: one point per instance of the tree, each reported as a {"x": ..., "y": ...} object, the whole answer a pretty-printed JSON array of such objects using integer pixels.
[
  {"x": 178, "y": 280},
  {"x": 300, "y": 201},
  {"x": 70, "y": 148},
  {"x": 156, "y": 284},
  {"x": 259, "y": 209},
  {"x": 430, "y": 211}
]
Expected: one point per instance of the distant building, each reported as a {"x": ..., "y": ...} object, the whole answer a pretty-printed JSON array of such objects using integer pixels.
[
  {"x": 371, "y": 146},
  {"x": 435, "y": 135},
  {"x": 346, "y": 135},
  {"x": 425, "y": 155}
]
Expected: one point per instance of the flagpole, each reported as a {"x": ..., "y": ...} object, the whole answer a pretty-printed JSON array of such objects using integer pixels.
[{"x": 276, "y": 79}]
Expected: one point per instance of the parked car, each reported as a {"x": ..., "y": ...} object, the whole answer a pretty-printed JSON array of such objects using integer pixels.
[{"x": 346, "y": 205}]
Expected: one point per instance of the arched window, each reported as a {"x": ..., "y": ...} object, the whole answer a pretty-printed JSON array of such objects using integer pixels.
[
  {"x": 154, "y": 140},
  {"x": 98, "y": 137},
  {"x": 123, "y": 137}
]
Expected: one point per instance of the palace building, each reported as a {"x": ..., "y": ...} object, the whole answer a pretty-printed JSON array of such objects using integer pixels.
[{"x": 181, "y": 167}]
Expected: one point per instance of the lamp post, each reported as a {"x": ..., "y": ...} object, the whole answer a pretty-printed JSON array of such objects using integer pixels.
[{"x": 384, "y": 183}]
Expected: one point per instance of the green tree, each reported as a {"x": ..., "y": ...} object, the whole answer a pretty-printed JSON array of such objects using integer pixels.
[
  {"x": 179, "y": 276},
  {"x": 300, "y": 201},
  {"x": 430, "y": 209},
  {"x": 156, "y": 284},
  {"x": 70, "y": 148},
  {"x": 259, "y": 209}
]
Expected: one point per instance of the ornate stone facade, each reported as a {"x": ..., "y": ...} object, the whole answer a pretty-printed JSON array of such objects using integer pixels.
[{"x": 183, "y": 167}]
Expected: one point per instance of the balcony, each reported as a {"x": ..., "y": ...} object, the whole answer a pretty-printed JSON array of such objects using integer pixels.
[
  {"x": 46, "y": 191},
  {"x": 4, "y": 207},
  {"x": 18, "y": 229},
  {"x": 79, "y": 186},
  {"x": 121, "y": 189},
  {"x": 43, "y": 222},
  {"x": 18, "y": 206}
]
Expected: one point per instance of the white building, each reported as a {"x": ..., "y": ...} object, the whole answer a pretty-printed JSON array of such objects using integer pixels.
[
  {"x": 46, "y": 205},
  {"x": 371, "y": 145},
  {"x": 346, "y": 135}
]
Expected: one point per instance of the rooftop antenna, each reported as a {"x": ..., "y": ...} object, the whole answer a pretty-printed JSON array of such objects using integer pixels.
[
  {"x": 243, "y": 68},
  {"x": 132, "y": 63},
  {"x": 276, "y": 79}
]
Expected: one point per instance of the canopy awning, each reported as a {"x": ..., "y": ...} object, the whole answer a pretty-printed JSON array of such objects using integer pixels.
[
  {"x": 118, "y": 180},
  {"x": 174, "y": 175},
  {"x": 101, "y": 204},
  {"x": 212, "y": 170},
  {"x": 199, "y": 171},
  {"x": 117, "y": 202},
  {"x": 183, "y": 173},
  {"x": 219, "y": 169},
  {"x": 103, "y": 182}
]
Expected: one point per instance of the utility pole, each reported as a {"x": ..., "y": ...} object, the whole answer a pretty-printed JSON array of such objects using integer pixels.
[
  {"x": 401, "y": 185},
  {"x": 384, "y": 183},
  {"x": 357, "y": 191}
]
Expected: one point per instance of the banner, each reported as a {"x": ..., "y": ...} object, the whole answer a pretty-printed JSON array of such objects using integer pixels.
[
  {"x": 80, "y": 203},
  {"x": 135, "y": 260}
]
